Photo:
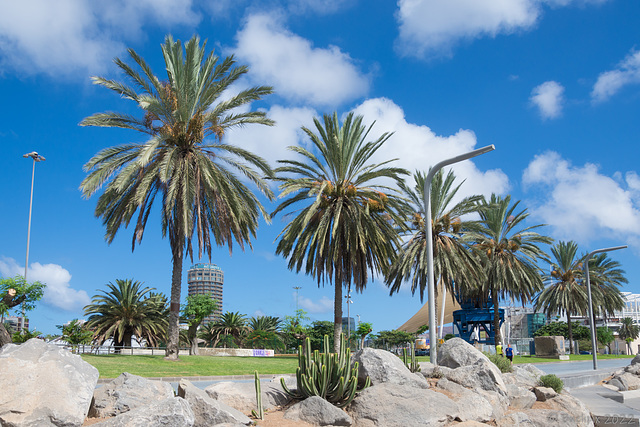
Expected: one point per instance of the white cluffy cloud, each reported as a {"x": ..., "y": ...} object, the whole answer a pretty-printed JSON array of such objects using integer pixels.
[
  {"x": 610, "y": 82},
  {"x": 298, "y": 71},
  {"x": 417, "y": 147},
  {"x": 434, "y": 27},
  {"x": 580, "y": 202},
  {"x": 324, "y": 305},
  {"x": 58, "y": 292},
  {"x": 549, "y": 98},
  {"x": 65, "y": 36}
]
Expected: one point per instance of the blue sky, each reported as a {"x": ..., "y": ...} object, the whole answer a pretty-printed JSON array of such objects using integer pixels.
[{"x": 553, "y": 84}]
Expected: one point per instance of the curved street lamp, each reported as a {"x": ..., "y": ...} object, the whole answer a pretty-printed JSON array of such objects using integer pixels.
[
  {"x": 427, "y": 209},
  {"x": 36, "y": 158},
  {"x": 592, "y": 317}
]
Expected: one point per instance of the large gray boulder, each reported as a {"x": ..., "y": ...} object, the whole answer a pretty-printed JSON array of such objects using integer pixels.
[
  {"x": 127, "y": 392},
  {"x": 537, "y": 418},
  {"x": 523, "y": 375},
  {"x": 636, "y": 360},
  {"x": 574, "y": 407},
  {"x": 520, "y": 397},
  {"x": 44, "y": 385},
  {"x": 242, "y": 396},
  {"x": 457, "y": 352},
  {"x": 549, "y": 346},
  {"x": 384, "y": 367},
  {"x": 317, "y": 411},
  {"x": 544, "y": 393},
  {"x": 393, "y": 405},
  {"x": 207, "y": 411},
  {"x": 473, "y": 406},
  {"x": 481, "y": 376},
  {"x": 171, "y": 412}
]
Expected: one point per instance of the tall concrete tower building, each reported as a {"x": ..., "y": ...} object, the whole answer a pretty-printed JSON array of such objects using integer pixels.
[{"x": 206, "y": 278}]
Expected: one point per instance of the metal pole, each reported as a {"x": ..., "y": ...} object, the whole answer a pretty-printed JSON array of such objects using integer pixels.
[
  {"x": 36, "y": 158},
  {"x": 297, "y": 288},
  {"x": 429, "y": 232},
  {"x": 592, "y": 319}
]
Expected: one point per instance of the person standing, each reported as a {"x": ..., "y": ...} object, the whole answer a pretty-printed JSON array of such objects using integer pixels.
[
  {"x": 499, "y": 350},
  {"x": 509, "y": 352}
]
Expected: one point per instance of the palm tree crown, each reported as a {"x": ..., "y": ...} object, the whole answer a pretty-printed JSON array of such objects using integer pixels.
[
  {"x": 127, "y": 309},
  {"x": 346, "y": 225},
  {"x": 183, "y": 161},
  {"x": 510, "y": 252},
  {"x": 565, "y": 291},
  {"x": 455, "y": 265}
]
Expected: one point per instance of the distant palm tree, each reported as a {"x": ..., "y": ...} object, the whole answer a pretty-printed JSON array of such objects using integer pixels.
[
  {"x": 510, "y": 252},
  {"x": 210, "y": 334},
  {"x": 628, "y": 331},
  {"x": 183, "y": 162},
  {"x": 233, "y": 325},
  {"x": 606, "y": 278},
  {"x": 265, "y": 323},
  {"x": 565, "y": 291},
  {"x": 345, "y": 225},
  {"x": 456, "y": 267},
  {"x": 127, "y": 309}
]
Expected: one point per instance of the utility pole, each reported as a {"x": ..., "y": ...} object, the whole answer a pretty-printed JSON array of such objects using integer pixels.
[{"x": 297, "y": 288}]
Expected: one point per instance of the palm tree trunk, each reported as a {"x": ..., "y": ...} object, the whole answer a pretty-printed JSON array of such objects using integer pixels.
[
  {"x": 570, "y": 333},
  {"x": 337, "y": 315},
  {"x": 193, "y": 334},
  {"x": 496, "y": 316},
  {"x": 173, "y": 337}
]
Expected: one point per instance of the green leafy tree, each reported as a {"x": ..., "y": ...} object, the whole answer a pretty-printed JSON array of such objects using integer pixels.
[
  {"x": 26, "y": 335},
  {"x": 75, "y": 333},
  {"x": 391, "y": 339},
  {"x": 364, "y": 329},
  {"x": 183, "y": 162},
  {"x": 295, "y": 329},
  {"x": 510, "y": 253},
  {"x": 125, "y": 310},
  {"x": 317, "y": 332},
  {"x": 565, "y": 291},
  {"x": 455, "y": 266},
  {"x": 15, "y": 291},
  {"x": 557, "y": 329},
  {"x": 605, "y": 336},
  {"x": 628, "y": 332},
  {"x": 193, "y": 313},
  {"x": 232, "y": 328},
  {"x": 344, "y": 224}
]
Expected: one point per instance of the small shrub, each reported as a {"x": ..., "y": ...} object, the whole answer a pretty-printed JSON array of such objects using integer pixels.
[
  {"x": 501, "y": 362},
  {"x": 436, "y": 373},
  {"x": 448, "y": 337},
  {"x": 551, "y": 381}
]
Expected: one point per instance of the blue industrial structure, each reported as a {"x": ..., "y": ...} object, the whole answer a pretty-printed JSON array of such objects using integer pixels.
[{"x": 476, "y": 317}]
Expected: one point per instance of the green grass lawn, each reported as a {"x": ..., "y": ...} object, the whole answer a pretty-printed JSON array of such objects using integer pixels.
[{"x": 110, "y": 366}]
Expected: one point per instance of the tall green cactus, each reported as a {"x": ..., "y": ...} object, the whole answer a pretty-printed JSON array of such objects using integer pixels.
[
  {"x": 260, "y": 413},
  {"x": 412, "y": 365},
  {"x": 328, "y": 375}
]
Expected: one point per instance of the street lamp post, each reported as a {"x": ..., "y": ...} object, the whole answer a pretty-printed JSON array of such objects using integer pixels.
[
  {"x": 36, "y": 158},
  {"x": 592, "y": 317},
  {"x": 429, "y": 233},
  {"x": 297, "y": 288},
  {"x": 348, "y": 298}
]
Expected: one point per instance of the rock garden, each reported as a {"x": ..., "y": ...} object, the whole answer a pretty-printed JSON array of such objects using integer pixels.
[{"x": 43, "y": 385}]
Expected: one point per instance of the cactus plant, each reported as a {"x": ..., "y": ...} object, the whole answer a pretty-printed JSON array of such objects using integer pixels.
[
  {"x": 328, "y": 375},
  {"x": 260, "y": 413},
  {"x": 412, "y": 365}
]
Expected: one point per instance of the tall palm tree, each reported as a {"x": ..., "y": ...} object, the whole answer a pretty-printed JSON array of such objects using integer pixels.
[
  {"x": 183, "y": 160},
  {"x": 628, "y": 331},
  {"x": 510, "y": 252},
  {"x": 456, "y": 267},
  {"x": 234, "y": 325},
  {"x": 125, "y": 310},
  {"x": 606, "y": 277},
  {"x": 565, "y": 290},
  {"x": 345, "y": 225}
]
